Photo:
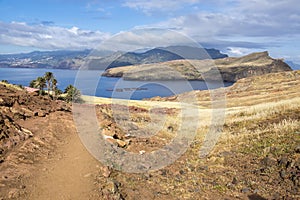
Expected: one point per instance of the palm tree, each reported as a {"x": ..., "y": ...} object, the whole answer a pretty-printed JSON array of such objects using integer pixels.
[
  {"x": 48, "y": 77},
  {"x": 73, "y": 94},
  {"x": 40, "y": 83},
  {"x": 32, "y": 84},
  {"x": 54, "y": 86}
]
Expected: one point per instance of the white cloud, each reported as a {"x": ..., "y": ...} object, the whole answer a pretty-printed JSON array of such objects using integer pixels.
[
  {"x": 239, "y": 51},
  {"x": 259, "y": 24},
  {"x": 244, "y": 18},
  {"x": 49, "y": 37},
  {"x": 144, "y": 39}
]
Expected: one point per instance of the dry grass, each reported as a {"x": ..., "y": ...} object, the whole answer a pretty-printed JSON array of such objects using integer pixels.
[
  {"x": 262, "y": 111},
  {"x": 262, "y": 120},
  {"x": 16, "y": 87}
]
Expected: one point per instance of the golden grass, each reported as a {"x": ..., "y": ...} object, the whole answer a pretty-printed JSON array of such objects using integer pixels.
[
  {"x": 16, "y": 87},
  {"x": 262, "y": 110},
  {"x": 138, "y": 103}
]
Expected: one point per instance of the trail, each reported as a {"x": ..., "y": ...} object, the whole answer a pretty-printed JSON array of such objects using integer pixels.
[{"x": 69, "y": 173}]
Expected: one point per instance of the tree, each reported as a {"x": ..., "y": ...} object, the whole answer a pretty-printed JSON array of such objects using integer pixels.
[
  {"x": 49, "y": 79},
  {"x": 40, "y": 83},
  {"x": 32, "y": 84},
  {"x": 54, "y": 87},
  {"x": 72, "y": 94}
]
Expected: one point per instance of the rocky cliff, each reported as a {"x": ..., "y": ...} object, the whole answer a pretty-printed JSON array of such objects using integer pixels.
[{"x": 231, "y": 69}]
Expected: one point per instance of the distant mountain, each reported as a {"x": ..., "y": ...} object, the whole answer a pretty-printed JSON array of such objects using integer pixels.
[
  {"x": 188, "y": 52},
  {"x": 100, "y": 60},
  {"x": 293, "y": 65},
  {"x": 44, "y": 59},
  {"x": 163, "y": 54}
]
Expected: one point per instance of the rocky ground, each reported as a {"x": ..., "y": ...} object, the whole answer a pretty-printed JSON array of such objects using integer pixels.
[{"x": 257, "y": 155}]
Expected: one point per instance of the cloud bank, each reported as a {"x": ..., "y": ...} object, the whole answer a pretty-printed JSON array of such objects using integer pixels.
[
  {"x": 234, "y": 26},
  {"x": 49, "y": 37}
]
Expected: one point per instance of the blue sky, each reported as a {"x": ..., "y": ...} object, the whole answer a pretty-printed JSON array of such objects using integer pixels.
[{"x": 236, "y": 27}]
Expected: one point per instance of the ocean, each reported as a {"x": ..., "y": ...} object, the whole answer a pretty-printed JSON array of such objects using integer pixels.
[{"x": 92, "y": 83}]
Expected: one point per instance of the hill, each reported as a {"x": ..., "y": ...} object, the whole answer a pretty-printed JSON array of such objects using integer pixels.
[
  {"x": 100, "y": 60},
  {"x": 164, "y": 54},
  {"x": 45, "y": 59},
  {"x": 257, "y": 156},
  {"x": 230, "y": 68}
]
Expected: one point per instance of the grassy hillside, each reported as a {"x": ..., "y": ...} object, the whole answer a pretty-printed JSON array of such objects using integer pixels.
[
  {"x": 231, "y": 69},
  {"x": 256, "y": 157}
]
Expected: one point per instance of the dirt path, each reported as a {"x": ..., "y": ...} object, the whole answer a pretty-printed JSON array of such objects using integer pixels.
[{"x": 69, "y": 173}]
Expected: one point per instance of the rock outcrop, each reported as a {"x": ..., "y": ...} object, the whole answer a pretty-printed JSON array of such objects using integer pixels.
[
  {"x": 17, "y": 105},
  {"x": 231, "y": 69}
]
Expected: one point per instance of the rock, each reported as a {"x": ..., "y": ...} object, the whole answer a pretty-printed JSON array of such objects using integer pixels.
[
  {"x": 13, "y": 193},
  {"x": 256, "y": 191},
  {"x": 297, "y": 149},
  {"x": 142, "y": 152},
  {"x": 234, "y": 181},
  {"x": 282, "y": 174},
  {"x": 112, "y": 187},
  {"x": 106, "y": 171},
  {"x": 268, "y": 162},
  {"x": 27, "y": 112},
  {"x": 41, "y": 113},
  {"x": 121, "y": 143},
  {"x": 87, "y": 175},
  {"x": 108, "y": 132},
  {"x": 283, "y": 161},
  {"x": 230, "y": 186},
  {"x": 163, "y": 172},
  {"x": 245, "y": 190},
  {"x": 22, "y": 186}
]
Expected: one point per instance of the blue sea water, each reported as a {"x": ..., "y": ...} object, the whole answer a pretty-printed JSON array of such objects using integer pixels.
[{"x": 91, "y": 83}]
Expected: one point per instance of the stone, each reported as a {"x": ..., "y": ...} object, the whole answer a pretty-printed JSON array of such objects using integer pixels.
[
  {"x": 268, "y": 162},
  {"x": 13, "y": 193},
  {"x": 108, "y": 132},
  {"x": 283, "y": 161},
  {"x": 121, "y": 143},
  {"x": 282, "y": 174},
  {"x": 27, "y": 112},
  {"x": 41, "y": 113},
  {"x": 234, "y": 181},
  {"x": 142, "y": 152},
  {"x": 87, "y": 175},
  {"x": 245, "y": 190},
  {"x": 297, "y": 149},
  {"x": 112, "y": 187},
  {"x": 106, "y": 172}
]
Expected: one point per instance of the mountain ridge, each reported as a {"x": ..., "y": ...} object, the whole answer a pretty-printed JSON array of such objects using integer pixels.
[
  {"x": 100, "y": 60},
  {"x": 230, "y": 68}
]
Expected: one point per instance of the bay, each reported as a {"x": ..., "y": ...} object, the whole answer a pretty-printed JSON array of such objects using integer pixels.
[{"x": 91, "y": 83}]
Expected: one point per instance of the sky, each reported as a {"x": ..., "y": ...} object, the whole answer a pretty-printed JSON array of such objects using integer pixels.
[{"x": 236, "y": 27}]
